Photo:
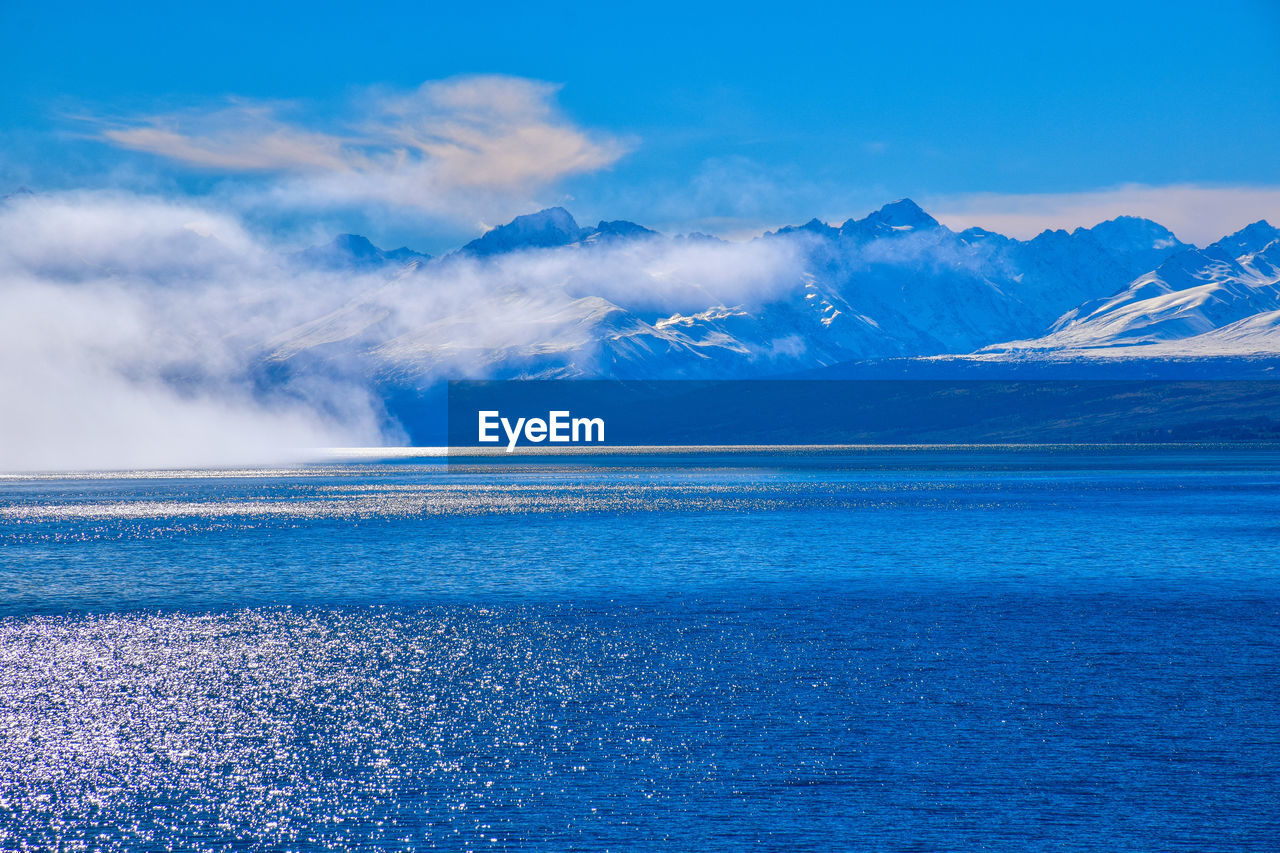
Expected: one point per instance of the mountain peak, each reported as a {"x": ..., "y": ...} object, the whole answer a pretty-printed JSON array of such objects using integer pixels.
[
  {"x": 1249, "y": 239},
  {"x": 813, "y": 226},
  {"x": 354, "y": 244},
  {"x": 975, "y": 234},
  {"x": 1132, "y": 227},
  {"x": 350, "y": 251},
  {"x": 903, "y": 215},
  {"x": 1133, "y": 236},
  {"x": 553, "y": 226},
  {"x": 19, "y": 192},
  {"x": 552, "y": 217},
  {"x": 619, "y": 229}
]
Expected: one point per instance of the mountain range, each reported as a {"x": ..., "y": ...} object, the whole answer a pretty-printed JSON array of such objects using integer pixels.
[{"x": 543, "y": 296}]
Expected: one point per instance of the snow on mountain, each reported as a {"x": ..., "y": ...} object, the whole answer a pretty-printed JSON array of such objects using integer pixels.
[
  {"x": 544, "y": 296},
  {"x": 1060, "y": 270},
  {"x": 893, "y": 219},
  {"x": 518, "y": 315},
  {"x": 928, "y": 290},
  {"x": 618, "y": 229},
  {"x": 1220, "y": 300},
  {"x": 542, "y": 230}
]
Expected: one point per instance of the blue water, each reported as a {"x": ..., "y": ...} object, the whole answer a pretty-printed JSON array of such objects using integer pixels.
[{"x": 1051, "y": 649}]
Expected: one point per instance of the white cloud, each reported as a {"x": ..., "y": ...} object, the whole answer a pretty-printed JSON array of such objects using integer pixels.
[
  {"x": 127, "y": 328},
  {"x": 1196, "y": 213},
  {"x": 461, "y": 146},
  {"x": 138, "y": 331}
]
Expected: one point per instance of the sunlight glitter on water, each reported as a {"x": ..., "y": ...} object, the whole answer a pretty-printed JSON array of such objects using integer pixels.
[
  {"x": 255, "y": 724},
  {"x": 909, "y": 650}
]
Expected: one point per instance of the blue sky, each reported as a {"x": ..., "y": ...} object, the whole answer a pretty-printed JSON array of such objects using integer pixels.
[{"x": 724, "y": 117}]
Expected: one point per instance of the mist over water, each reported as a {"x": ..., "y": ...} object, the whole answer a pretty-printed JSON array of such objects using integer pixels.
[
  {"x": 130, "y": 329},
  {"x": 1007, "y": 721}
]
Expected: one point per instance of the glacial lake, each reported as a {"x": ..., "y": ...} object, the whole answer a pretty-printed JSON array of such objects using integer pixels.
[{"x": 1018, "y": 648}]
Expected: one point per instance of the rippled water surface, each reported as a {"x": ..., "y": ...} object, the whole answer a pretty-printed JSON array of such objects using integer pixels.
[{"x": 1023, "y": 649}]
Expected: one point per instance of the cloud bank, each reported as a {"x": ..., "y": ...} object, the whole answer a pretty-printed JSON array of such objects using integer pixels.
[
  {"x": 145, "y": 332},
  {"x": 127, "y": 327}
]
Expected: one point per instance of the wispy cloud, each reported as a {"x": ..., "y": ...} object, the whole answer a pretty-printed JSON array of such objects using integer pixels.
[
  {"x": 1196, "y": 213},
  {"x": 462, "y": 145}
]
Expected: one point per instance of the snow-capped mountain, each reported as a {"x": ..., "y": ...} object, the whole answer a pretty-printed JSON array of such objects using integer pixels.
[
  {"x": 544, "y": 296},
  {"x": 547, "y": 229},
  {"x": 929, "y": 290},
  {"x": 1221, "y": 300}
]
